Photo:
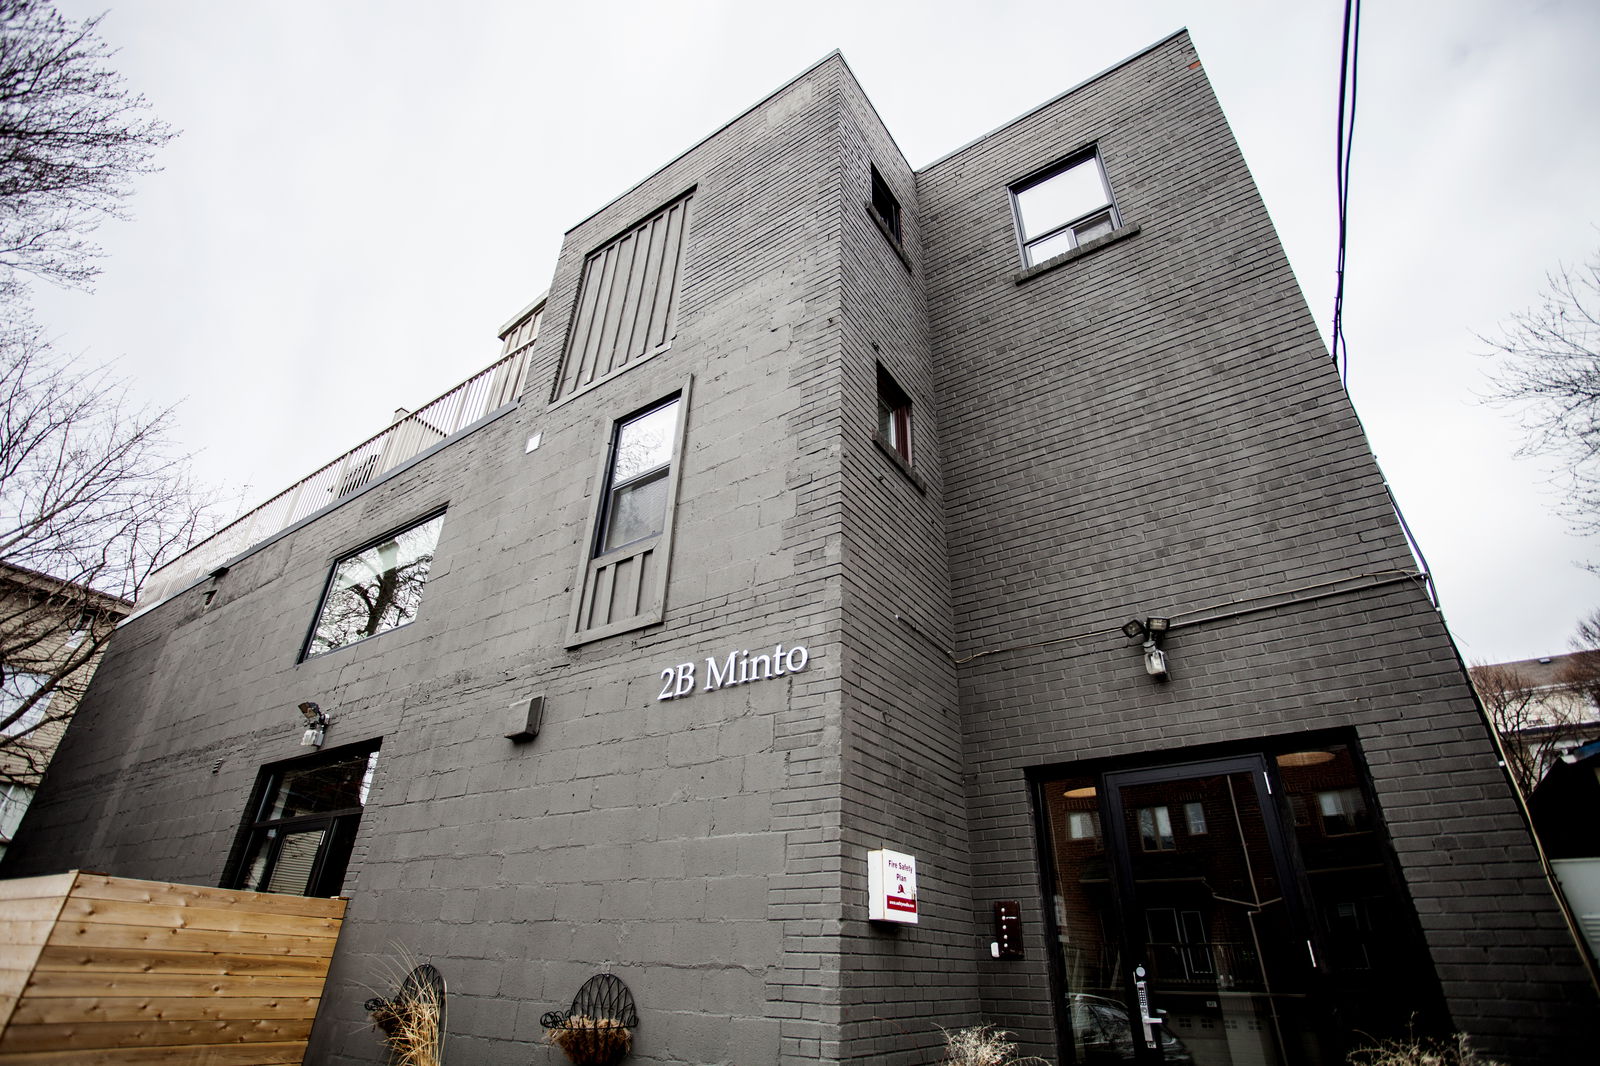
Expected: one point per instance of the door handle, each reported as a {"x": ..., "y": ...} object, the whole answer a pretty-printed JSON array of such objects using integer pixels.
[{"x": 1146, "y": 1019}]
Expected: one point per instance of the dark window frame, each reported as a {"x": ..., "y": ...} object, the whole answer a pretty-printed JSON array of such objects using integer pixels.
[
  {"x": 328, "y": 869},
  {"x": 1027, "y": 242},
  {"x": 893, "y": 429},
  {"x": 613, "y": 487},
  {"x": 307, "y": 651},
  {"x": 886, "y": 206}
]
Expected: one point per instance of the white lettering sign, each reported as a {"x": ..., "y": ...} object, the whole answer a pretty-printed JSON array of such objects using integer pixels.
[{"x": 735, "y": 668}]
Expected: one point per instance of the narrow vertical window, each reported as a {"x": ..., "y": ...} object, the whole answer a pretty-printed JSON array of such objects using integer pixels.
[
  {"x": 894, "y": 416},
  {"x": 636, "y": 493},
  {"x": 624, "y": 578},
  {"x": 885, "y": 206},
  {"x": 1063, "y": 208}
]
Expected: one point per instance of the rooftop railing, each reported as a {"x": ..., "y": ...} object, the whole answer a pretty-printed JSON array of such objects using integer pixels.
[{"x": 411, "y": 433}]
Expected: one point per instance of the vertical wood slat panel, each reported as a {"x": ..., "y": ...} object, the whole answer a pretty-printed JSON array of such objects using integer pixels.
[
  {"x": 627, "y": 301},
  {"x": 623, "y": 351},
  {"x": 665, "y": 317},
  {"x": 582, "y": 323},
  {"x": 631, "y": 343}
]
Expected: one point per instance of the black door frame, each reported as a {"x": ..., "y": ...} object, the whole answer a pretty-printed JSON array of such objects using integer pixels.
[{"x": 1109, "y": 781}]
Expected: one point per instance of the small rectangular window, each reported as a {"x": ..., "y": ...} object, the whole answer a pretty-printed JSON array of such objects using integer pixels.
[
  {"x": 16, "y": 686},
  {"x": 1064, "y": 208},
  {"x": 1155, "y": 829},
  {"x": 1195, "y": 815},
  {"x": 14, "y": 800},
  {"x": 885, "y": 206},
  {"x": 1343, "y": 811},
  {"x": 376, "y": 588},
  {"x": 894, "y": 416}
]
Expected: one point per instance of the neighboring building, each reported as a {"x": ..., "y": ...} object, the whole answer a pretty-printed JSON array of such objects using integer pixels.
[
  {"x": 52, "y": 635},
  {"x": 816, "y": 532},
  {"x": 1542, "y": 707},
  {"x": 1566, "y": 814}
]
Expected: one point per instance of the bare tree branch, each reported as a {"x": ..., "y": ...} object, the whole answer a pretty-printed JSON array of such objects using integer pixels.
[
  {"x": 92, "y": 500},
  {"x": 1539, "y": 717},
  {"x": 72, "y": 137},
  {"x": 1549, "y": 370}
]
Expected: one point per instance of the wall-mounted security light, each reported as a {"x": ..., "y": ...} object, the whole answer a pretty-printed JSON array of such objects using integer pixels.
[
  {"x": 316, "y": 725},
  {"x": 1153, "y": 630}
]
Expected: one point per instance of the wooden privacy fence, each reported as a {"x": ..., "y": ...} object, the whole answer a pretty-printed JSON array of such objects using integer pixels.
[{"x": 102, "y": 970}]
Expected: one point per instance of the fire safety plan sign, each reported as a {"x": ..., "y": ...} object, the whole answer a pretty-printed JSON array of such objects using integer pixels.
[{"x": 892, "y": 885}]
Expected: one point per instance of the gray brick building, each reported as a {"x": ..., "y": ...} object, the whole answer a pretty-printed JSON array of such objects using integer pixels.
[{"x": 829, "y": 493}]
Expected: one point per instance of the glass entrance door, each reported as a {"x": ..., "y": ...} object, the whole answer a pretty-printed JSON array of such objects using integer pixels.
[
  {"x": 1192, "y": 904},
  {"x": 1209, "y": 917}
]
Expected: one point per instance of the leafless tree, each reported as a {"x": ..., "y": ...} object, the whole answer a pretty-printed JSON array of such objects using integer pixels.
[
  {"x": 92, "y": 500},
  {"x": 1536, "y": 720},
  {"x": 1549, "y": 369},
  {"x": 72, "y": 137}
]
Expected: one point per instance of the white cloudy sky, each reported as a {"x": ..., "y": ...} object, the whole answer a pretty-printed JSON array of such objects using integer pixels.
[{"x": 365, "y": 191}]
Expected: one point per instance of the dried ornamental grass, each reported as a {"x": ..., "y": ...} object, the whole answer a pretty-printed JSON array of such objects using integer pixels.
[
  {"x": 591, "y": 1041},
  {"x": 410, "y": 1026},
  {"x": 982, "y": 1045},
  {"x": 1454, "y": 1052}
]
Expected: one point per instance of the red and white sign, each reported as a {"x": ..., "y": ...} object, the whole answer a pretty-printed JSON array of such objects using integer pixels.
[{"x": 892, "y": 887}]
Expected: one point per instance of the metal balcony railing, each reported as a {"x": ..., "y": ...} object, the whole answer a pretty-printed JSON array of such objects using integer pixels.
[{"x": 411, "y": 433}]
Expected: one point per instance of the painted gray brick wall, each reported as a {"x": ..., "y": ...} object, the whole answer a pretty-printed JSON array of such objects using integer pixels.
[
  {"x": 1150, "y": 428},
  {"x": 1156, "y": 427},
  {"x": 690, "y": 845}
]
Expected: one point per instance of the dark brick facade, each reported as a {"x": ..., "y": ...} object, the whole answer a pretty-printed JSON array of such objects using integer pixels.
[{"x": 1151, "y": 426}]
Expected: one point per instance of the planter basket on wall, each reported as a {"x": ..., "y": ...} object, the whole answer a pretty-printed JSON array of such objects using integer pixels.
[
  {"x": 413, "y": 1020},
  {"x": 598, "y": 1029}
]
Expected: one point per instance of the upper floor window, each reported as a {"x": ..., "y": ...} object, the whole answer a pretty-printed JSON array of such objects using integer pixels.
[
  {"x": 376, "y": 588},
  {"x": 623, "y": 583},
  {"x": 885, "y": 206},
  {"x": 1063, "y": 208},
  {"x": 636, "y": 494},
  {"x": 16, "y": 688},
  {"x": 627, "y": 300},
  {"x": 894, "y": 416}
]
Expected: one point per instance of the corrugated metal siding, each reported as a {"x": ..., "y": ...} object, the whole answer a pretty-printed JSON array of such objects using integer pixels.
[{"x": 628, "y": 302}]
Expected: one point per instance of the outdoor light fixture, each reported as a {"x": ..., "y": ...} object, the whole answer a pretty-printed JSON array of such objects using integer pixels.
[
  {"x": 1153, "y": 630},
  {"x": 316, "y": 725}
]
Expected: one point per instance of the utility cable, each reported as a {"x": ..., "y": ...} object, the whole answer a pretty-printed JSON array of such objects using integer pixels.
[{"x": 1345, "y": 140}]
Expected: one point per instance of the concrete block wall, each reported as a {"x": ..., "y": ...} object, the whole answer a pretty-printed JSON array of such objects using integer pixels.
[{"x": 1155, "y": 427}]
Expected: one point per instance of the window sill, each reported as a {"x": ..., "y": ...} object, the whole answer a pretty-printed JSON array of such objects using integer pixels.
[
  {"x": 1077, "y": 253},
  {"x": 888, "y": 235},
  {"x": 918, "y": 482}
]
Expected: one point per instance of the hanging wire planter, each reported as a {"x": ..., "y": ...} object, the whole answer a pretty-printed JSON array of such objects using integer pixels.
[
  {"x": 598, "y": 1029},
  {"x": 413, "y": 1021}
]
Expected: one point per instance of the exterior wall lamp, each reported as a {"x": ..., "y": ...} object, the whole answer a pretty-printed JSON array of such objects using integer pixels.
[
  {"x": 1152, "y": 631},
  {"x": 316, "y": 725}
]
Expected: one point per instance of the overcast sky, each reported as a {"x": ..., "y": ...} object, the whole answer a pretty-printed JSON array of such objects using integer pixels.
[{"x": 364, "y": 192}]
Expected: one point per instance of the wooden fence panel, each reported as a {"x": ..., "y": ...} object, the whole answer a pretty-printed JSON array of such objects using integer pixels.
[{"x": 97, "y": 969}]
